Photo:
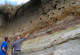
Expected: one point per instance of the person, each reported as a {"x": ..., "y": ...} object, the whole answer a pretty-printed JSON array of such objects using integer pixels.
[
  {"x": 17, "y": 45},
  {"x": 4, "y": 46}
]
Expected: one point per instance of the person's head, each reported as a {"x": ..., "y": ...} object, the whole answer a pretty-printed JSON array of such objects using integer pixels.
[
  {"x": 18, "y": 37},
  {"x": 7, "y": 39}
]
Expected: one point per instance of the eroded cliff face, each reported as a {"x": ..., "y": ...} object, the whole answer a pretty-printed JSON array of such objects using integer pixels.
[{"x": 54, "y": 26}]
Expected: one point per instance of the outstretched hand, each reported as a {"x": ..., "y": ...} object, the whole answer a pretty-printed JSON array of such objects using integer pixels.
[{"x": 27, "y": 35}]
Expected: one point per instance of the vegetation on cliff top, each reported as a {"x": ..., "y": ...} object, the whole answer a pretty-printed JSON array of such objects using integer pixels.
[
  {"x": 14, "y": 11},
  {"x": 10, "y": 10}
]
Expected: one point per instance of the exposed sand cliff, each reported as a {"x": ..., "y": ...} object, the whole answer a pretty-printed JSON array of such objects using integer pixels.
[{"x": 54, "y": 26}]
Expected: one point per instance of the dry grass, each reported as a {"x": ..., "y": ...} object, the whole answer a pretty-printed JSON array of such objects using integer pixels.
[{"x": 9, "y": 9}]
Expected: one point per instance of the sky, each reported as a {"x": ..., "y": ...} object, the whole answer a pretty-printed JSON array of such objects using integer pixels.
[{"x": 13, "y": 2}]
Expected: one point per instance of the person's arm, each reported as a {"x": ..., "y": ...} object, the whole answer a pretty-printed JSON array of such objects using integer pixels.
[
  {"x": 4, "y": 50},
  {"x": 21, "y": 40},
  {"x": 27, "y": 35},
  {"x": 11, "y": 51},
  {"x": 12, "y": 48}
]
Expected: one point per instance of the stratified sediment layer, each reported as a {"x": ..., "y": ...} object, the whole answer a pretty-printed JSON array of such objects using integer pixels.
[{"x": 54, "y": 26}]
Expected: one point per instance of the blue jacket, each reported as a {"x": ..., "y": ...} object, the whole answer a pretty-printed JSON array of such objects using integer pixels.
[{"x": 5, "y": 45}]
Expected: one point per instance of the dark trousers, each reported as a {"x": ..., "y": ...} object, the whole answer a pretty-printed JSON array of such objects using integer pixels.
[{"x": 17, "y": 53}]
